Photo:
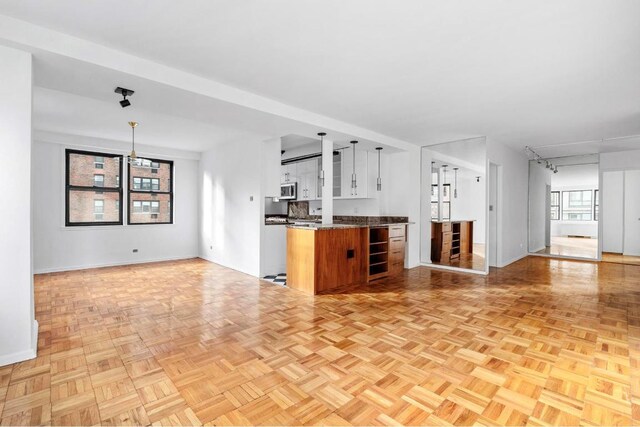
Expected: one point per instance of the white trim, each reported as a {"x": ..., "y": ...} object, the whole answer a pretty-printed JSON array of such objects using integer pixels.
[
  {"x": 203, "y": 257},
  {"x": 566, "y": 257},
  {"x": 514, "y": 259},
  {"x": 21, "y": 356},
  {"x": 453, "y": 269},
  {"x": 115, "y": 264}
]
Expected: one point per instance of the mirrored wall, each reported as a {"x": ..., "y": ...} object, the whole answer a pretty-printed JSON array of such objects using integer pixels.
[
  {"x": 564, "y": 203},
  {"x": 454, "y": 204}
]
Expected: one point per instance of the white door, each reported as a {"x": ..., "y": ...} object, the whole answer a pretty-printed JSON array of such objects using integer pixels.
[
  {"x": 493, "y": 215},
  {"x": 631, "y": 212}
]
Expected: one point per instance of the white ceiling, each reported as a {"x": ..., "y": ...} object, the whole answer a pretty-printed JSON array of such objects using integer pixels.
[{"x": 522, "y": 73}]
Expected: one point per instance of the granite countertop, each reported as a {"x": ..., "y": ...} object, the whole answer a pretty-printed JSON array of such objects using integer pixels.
[
  {"x": 455, "y": 220},
  {"x": 314, "y": 222}
]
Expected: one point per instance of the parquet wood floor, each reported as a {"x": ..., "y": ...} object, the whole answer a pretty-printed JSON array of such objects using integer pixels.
[{"x": 541, "y": 342}]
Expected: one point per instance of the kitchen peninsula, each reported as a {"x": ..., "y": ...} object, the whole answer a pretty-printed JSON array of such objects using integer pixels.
[{"x": 323, "y": 257}]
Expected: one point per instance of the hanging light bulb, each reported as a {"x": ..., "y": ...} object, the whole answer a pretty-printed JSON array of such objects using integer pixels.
[
  {"x": 379, "y": 181},
  {"x": 354, "y": 183},
  {"x": 455, "y": 185},
  {"x": 132, "y": 157},
  {"x": 321, "y": 135}
]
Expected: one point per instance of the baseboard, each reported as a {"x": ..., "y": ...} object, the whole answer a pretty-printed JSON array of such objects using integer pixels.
[
  {"x": 21, "y": 356},
  {"x": 114, "y": 264},
  {"x": 249, "y": 273},
  {"x": 511, "y": 261}
]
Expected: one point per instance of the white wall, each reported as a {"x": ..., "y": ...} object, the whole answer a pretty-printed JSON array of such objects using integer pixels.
[
  {"x": 612, "y": 211},
  {"x": 18, "y": 328},
  {"x": 59, "y": 248},
  {"x": 539, "y": 182},
  {"x": 230, "y": 222},
  {"x": 470, "y": 203},
  {"x": 402, "y": 198},
  {"x": 512, "y": 201}
]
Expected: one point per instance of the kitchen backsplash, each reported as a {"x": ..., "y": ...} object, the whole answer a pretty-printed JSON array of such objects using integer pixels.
[{"x": 298, "y": 209}]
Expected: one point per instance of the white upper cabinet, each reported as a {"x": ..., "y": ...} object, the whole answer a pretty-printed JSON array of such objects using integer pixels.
[
  {"x": 307, "y": 174},
  {"x": 362, "y": 174},
  {"x": 289, "y": 173}
]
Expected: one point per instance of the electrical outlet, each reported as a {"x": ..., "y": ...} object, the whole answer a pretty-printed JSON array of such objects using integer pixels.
[{"x": 135, "y": 251}]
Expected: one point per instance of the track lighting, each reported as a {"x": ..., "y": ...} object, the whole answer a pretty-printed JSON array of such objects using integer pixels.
[
  {"x": 555, "y": 169},
  {"x": 124, "y": 92},
  {"x": 477, "y": 179}
]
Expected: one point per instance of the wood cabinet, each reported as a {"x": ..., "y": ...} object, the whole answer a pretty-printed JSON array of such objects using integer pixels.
[
  {"x": 386, "y": 251},
  {"x": 450, "y": 239},
  {"x": 321, "y": 260}
]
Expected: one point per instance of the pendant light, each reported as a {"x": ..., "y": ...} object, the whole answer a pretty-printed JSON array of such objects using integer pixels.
[
  {"x": 132, "y": 157},
  {"x": 379, "y": 181},
  {"x": 444, "y": 180},
  {"x": 455, "y": 184},
  {"x": 354, "y": 183},
  {"x": 321, "y": 135}
]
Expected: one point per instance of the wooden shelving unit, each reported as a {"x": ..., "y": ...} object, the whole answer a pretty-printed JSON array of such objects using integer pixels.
[
  {"x": 378, "y": 253},
  {"x": 455, "y": 240}
]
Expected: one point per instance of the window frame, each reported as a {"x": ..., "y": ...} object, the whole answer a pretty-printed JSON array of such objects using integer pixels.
[
  {"x": 444, "y": 202},
  {"x": 591, "y": 205},
  {"x": 559, "y": 205},
  {"x": 596, "y": 204},
  {"x": 131, "y": 192},
  {"x": 94, "y": 189}
]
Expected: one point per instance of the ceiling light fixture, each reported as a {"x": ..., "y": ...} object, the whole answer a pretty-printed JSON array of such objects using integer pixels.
[
  {"x": 379, "y": 181},
  {"x": 321, "y": 135},
  {"x": 124, "y": 92},
  {"x": 132, "y": 157},
  {"x": 354, "y": 183}
]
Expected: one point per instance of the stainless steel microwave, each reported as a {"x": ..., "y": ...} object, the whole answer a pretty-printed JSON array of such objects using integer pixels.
[{"x": 289, "y": 191}]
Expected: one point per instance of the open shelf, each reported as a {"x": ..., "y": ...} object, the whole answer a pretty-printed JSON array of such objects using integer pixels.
[{"x": 378, "y": 253}]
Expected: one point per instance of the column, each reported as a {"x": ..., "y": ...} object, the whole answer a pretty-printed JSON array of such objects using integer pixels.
[
  {"x": 327, "y": 189},
  {"x": 18, "y": 328}
]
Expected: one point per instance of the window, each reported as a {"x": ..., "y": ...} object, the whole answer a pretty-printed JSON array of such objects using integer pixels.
[
  {"x": 146, "y": 184},
  {"x": 576, "y": 205},
  {"x": 151, "y": 192},
  {"x": 555, "y": 205},
  {"x": 596, "y": 204},
  {"x": 98, "y": 209},
  {"x": 98, "y": 162},
  {"x": 446, "y": 201},
  {"x": 82, "y": 207}
]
